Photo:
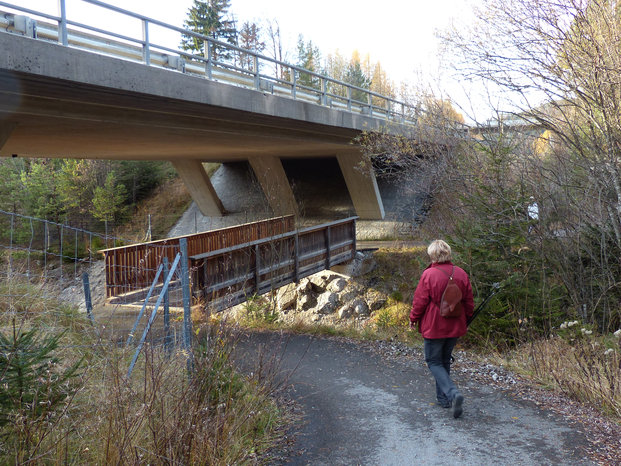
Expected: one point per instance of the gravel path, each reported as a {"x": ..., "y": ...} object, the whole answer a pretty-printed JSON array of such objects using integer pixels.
[{"x": 360, "y": 407}]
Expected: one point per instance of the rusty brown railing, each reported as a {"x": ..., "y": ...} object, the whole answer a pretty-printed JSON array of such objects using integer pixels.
[
  {"x": 131, "y": 268},
  {"x": 230, "y": 275}
]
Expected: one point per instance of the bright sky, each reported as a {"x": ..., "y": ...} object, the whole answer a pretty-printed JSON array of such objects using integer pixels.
[{"x": 400, "y": 34}]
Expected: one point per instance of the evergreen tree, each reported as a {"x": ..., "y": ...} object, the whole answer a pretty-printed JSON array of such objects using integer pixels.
[
  {"x": 108, "y": 199},
  {"x": 356, "y": 77},
  {"x": 209, "y": 18},
  {"x": 11, "y": 187},
  {"x": 35, "y": 385},
  {"x": 41, "y": 196},
  {"x": 309, "y": 58}
]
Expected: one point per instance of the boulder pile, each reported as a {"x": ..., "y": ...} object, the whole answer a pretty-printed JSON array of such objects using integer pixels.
[{"x": 328, "y": 297}]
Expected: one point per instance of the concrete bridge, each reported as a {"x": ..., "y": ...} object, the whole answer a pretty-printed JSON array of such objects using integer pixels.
[{"x": 74, "y": 91}]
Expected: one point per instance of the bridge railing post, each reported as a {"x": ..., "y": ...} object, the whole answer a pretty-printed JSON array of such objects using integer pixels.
[
  {"x": 294, "y": 82},
  {"x": 207, "y": 53},
  {"x": 324, "y": 91},
  {"x": 257, "y": 78},
  {"x": 62, "y": 24},
  {"x": 146, "y": 47},
  {"x": 370, "y": 102},
  {"x": 349, "y": 98}
]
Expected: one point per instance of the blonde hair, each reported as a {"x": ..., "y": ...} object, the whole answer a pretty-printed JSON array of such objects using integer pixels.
[{"x": 439, "y": 251}]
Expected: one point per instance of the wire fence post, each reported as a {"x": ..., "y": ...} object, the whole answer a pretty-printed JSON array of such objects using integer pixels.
[
  {"x": 185, "y": 287},
  {"x": 167, "y": 334},
  {"x": 87, "y": 297}
]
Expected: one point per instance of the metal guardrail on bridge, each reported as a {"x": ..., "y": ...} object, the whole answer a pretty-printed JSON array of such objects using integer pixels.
[
  {"x": 228, "y": 276},
  {"x": 243, "y": 67}
]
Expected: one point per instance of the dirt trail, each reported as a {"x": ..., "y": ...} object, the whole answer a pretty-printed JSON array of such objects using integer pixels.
[{"x": 360, "y": 408}]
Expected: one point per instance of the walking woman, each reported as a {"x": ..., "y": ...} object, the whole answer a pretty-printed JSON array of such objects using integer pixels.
[{"x": 441, "y": 333}]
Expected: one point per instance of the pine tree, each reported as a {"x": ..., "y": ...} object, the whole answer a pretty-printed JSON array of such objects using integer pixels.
[
  {"x": 34, "y": 384},
  {"x": 108, "y": 199},
  {"x": 356, "y": 77},
  {"x": 309, "y": 58},
  {"x": 209, "y": 18}
]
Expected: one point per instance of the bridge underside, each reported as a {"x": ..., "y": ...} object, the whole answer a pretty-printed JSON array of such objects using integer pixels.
[{"x": 161, "y": 115}]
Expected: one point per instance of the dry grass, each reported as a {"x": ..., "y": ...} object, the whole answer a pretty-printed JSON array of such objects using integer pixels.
[
  {"x": 162, "y": 414},
  {"x": 583, "y": 369},
  {"x": 166, "y": 206}
]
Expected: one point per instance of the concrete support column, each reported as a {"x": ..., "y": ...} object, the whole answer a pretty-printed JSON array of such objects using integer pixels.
[
  {"x": 273, "y": 180},
  {"x": 362, "y": 185},
  {"x": 197, "y": 181},
  {"x": 5, "y": 132}
]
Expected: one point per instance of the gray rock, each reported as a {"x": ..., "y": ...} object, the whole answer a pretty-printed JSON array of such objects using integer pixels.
[
  {"x": 319, "y": 281},
  {"x": 286, "y": 296},
  {"x": 375, "y": 299},
  {"x": 305, "y": 302},
  {"x": 360, "y": 307},
  {"x": 337, "y": 285},
  {"x": 345, "y": 311},
  {"x": 326, "y": 303}
]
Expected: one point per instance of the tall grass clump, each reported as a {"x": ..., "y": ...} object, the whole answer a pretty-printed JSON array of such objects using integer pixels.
[
  {"x": 65, "y": 396},
  {"x": 575, "y": 361}
]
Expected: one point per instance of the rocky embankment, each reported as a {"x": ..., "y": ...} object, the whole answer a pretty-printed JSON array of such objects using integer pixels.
[{"x": 330, "y": 297}]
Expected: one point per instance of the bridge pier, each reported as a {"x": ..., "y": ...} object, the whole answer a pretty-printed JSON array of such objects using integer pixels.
[
  {"x": 361, "y": 184},
  {"x": 5, "y": 132},
  {"x": 197, "y": 181},
  {"x": 275, "y": 184}
]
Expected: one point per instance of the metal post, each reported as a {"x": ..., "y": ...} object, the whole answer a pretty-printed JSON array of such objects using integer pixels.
[
  {"x": 185, "y": 288},
  {"x": 349, "y": 98},
  {"x": 62, "y": 24},
  {"x": 295, "y": 83},
  {"x": 353, "y": 235},
  {"x": 324, "y": 91},
  {"x": 257, "y": 79},
  {"x": 62, "y": 230},
  {"x": 75, "y": 258},
  {"x": 167, "y": 334},
  {"x": 152, "y": 318},
  {"x": 146, "y": 47},
  {"x": 327, "y": 238},
  {"x": 207, "y": 52},
  {"x": 257, "y": 266},
  {"x": 296, "y": 259},
  {"x": 370, "y": 101},
  {"x": 87, "y": 297},
  {"x": 144, "y": 306}
]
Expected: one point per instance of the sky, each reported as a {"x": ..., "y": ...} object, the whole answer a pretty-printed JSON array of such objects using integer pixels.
[{"x": 400, "y": 34}]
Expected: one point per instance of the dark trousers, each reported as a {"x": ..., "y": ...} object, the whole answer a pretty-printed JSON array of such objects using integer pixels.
[{"x": 438, "y": 358}]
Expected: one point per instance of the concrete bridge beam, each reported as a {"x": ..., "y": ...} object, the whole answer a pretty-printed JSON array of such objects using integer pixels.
[
  {"x": 197, "y": 181},
  {"x": 362, "y": 185},
  {"x": 275, "y": 184}
]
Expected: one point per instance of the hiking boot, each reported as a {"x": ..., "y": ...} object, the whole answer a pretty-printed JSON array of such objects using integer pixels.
[
  {"x": 458, "y": 401},
  {"x": 444, "y": 403}
]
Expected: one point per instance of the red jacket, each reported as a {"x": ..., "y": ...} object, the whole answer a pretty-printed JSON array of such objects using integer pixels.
[{"x": 426, "y": 305}]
